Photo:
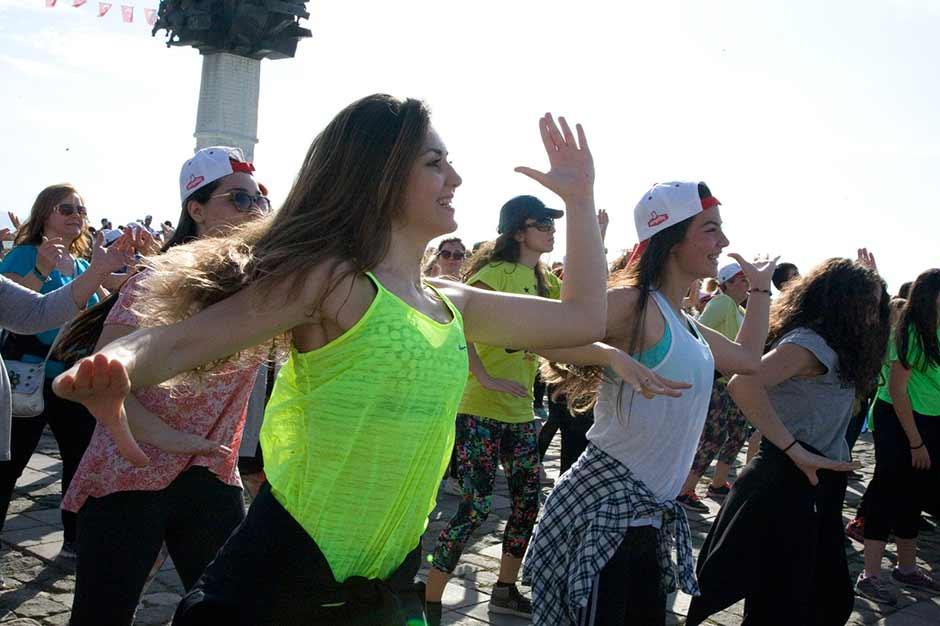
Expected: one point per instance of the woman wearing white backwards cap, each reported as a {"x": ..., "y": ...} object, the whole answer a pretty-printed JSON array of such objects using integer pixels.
[
  {"x": 601, "y": 552},
  {"x": 191, "y": 501},
  {"x": 725, "y": 427}
]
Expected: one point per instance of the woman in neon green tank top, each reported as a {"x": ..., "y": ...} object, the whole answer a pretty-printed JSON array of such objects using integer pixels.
[{"x": 353, "y": 460}]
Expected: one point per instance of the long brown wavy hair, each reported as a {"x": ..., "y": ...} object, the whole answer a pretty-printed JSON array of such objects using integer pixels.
[
  {"x": 919, "y": 319},
  {"x": 837, "y": 300},
  {"x": 580, "y": 384},
  {"x": 340, "y": 210},
  {"x": 31, "y": 231}
]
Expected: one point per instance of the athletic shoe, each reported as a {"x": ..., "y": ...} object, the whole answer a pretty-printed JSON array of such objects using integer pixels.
[
  {"x": 691, "y": 502},
  {"x": 718, "y": 493},
  {"x": 69, "y": 551},
  {"x": 918, "y": 579},
  {"x": 508, "y": 600},
  {"x": 855, "y": 529},
  {"x": 545, "y": 479},
  {"x": 876, "y": 589},
  {"x": 451, "y": 486},
  {"x": 925, "y": 526}
]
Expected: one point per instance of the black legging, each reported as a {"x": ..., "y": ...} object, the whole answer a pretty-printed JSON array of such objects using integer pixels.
[
  {"x": 121, "y": 534},
  {"x": 573, "y": 432},
  {"x": 72, "y": 427}
]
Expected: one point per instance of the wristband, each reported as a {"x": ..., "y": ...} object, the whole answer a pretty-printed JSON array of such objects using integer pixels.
[
  {"x": 39, "y": 275},
  {"x": 792, "y": 443},
  {"x": 918, "y": 447},
  {"x": 755, "y": 290}
]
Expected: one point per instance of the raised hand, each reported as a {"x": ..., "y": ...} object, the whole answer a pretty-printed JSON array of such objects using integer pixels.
[
  {"x": 759, "y": 273},
  {"x": 867, "y": 259},
  {"x": 102, "y": 386},
  {"x": 6, "y": 235},
  {"x": 144, "y": 242},
  {"x": 116, "y": 256},
  {"x": 49, "y": 254},
  {"x": 810, "y": 463},
  {"x": 572, "y": 167},
  {"x": 14, "y": 220},
  {"x": 603, "y": 221},
  {"x": 644, "y": 380}
]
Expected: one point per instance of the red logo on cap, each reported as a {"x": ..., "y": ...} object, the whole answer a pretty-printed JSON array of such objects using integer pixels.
[
  {"x": 656, "y": 219},
  {"x": 194, "y": 181}
]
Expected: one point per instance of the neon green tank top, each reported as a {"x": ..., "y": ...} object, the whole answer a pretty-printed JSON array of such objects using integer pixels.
[{"x": 358, "y": 433}]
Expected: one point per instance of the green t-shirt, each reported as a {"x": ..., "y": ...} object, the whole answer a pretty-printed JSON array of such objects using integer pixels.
[
  {"x": 924, "y": 384},
  {"x": 500, "y": 362},
  {"x": 723, "y": 315}
]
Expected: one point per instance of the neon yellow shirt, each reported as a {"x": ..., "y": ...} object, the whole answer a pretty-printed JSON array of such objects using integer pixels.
[
  {"x": 721, "y": 314},
  {"x": 924, "y": 384},
  {"x": 500, "y": 362},
  {"x": 358, "y": 433}
]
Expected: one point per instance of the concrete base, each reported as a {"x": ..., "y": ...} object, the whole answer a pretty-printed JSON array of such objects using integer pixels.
[{"x": 228, "y": 102}]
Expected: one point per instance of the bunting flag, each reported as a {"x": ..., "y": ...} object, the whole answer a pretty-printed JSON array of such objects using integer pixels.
[
  {"x": 103, "y": 8},
  {"x": 78, "y": 3},
  {"x": 151, "y": 16},
  {"x": 127, "y": 10},
  {"x": 127, "y": 13},
  {"x": 50, "y": 3}
]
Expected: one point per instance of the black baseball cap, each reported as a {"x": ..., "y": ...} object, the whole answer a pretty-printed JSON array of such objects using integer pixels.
[{"x": 515, "y": 212}]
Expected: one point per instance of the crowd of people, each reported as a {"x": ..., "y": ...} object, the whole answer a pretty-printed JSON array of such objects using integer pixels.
[{"x": 325, "y": 359}]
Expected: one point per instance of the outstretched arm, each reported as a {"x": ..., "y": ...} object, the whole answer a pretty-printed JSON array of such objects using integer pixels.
[{"x": 501, "y": 319}]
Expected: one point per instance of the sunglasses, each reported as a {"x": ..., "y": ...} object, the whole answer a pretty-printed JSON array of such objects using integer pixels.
[
  {"x": 457, "y": 256},
  {"x": 244, "y": 201},
  {"x": 66, "y": 209},
  {"x": 544, "y": 225}
]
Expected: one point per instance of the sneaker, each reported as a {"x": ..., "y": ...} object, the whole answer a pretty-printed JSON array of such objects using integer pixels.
[
  {"x": 925, "y": 526},
  {"x": 918, "y": 579},
  {"x": 508, "y": 600},
  {"x": 451, "y": 486},
  {"x": 691, "y": 502},
  {"x": 69, "y": 551},
  {"x": 855, "y": 529},
  {"x": 545, "y": 479},
  {"x": 718, "y": 493},
  {"x": 875, "y": 589}
]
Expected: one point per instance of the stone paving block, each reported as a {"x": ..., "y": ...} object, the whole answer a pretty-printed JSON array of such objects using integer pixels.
[
  {"x": 50, "y": 552},
  {"x": 52, "y": 516},
  {"x": 461, "y": 593},
  {"x": 44, "y": 533},
  {"x": 19, "y": 521},
  {"x": 481, "y": 612},
  {"x": 44, "y": 463},
  {"x": 34, "y": 478},
  {"x": 458, "y": 619}
]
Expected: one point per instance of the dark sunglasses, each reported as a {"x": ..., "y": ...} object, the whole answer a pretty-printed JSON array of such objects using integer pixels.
[
  {"x": 67, "y": 209},
  {"x": 457, "y": 256},
  {"x": 244, "y": 201},
  {"x": 546, "y": 224}
]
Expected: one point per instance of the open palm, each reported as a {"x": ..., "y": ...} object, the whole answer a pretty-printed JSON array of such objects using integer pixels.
[{"x": 571, "y": 175}]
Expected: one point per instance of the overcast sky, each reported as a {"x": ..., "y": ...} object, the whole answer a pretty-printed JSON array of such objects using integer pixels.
[{"x": 814, "y": 123}]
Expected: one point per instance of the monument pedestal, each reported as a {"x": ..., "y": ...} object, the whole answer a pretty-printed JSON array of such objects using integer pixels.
[{"x": 228, "y": 102}]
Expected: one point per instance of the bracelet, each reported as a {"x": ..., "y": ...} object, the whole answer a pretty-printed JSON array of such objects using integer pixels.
[
  {"x": 793, "y": 443},
  {"x": 39, "y": 275},
  {"x": 755, "y": 290},
  {"x": 918, "y": 447}
]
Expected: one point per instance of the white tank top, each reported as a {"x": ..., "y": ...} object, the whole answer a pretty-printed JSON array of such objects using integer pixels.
[{"x": 657, "y": 438}]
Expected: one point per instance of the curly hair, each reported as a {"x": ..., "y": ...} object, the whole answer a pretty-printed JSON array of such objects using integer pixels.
[
  {"x": 918, "y": 319},
  {"x": 837, "y": 300}
]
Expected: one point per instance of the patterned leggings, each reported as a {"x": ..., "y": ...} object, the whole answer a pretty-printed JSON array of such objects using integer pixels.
[
  {"x": 481, "y": 444},
  {"x": 725, "y": 430}
]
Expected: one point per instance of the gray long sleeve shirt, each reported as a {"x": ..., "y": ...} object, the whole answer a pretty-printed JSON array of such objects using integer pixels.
[{"x": 27, "y": 312}]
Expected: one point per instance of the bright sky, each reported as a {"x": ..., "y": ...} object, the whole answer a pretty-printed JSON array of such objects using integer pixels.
[{"x": 814, "y": 122}]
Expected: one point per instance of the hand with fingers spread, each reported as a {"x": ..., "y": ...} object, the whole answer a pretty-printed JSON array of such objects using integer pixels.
[
  {"x": 571, "y": 175},
  {"x": 867, "y": 259},
  {"x": 644, "y": 380},
  {"x": 50, "y": 252},
  {"x": 6, "y": 235},
  {"x": 14, "y": 220},
  {"x": 758, "y": 274},
  {"x": 809, "y": 463},
  {"x": 102, "y": 386},
  {"x": 111, "y": 259},
  {"x": 144, "y": 242}
]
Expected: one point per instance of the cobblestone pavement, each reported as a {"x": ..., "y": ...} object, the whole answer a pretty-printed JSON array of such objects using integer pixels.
[{"x": 39, "y": 586}]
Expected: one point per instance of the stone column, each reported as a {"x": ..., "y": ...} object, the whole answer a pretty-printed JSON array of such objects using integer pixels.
[{"x": 228, "y": 102}]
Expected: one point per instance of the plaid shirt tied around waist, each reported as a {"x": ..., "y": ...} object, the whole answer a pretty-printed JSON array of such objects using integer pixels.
[{"x": 583, "y": 522}]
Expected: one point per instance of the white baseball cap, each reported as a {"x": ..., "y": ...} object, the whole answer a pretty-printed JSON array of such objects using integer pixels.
[
  {"x": 665, "y": 205},
  {"x": 209, "y": 165},
  {"x": 728, "y": 272}
]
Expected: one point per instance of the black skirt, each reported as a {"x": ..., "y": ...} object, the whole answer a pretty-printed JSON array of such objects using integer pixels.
[{"x": 778, "y": 544}]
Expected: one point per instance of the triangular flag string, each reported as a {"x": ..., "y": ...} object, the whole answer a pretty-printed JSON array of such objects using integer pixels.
[{"x": 127, "y": 10}]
